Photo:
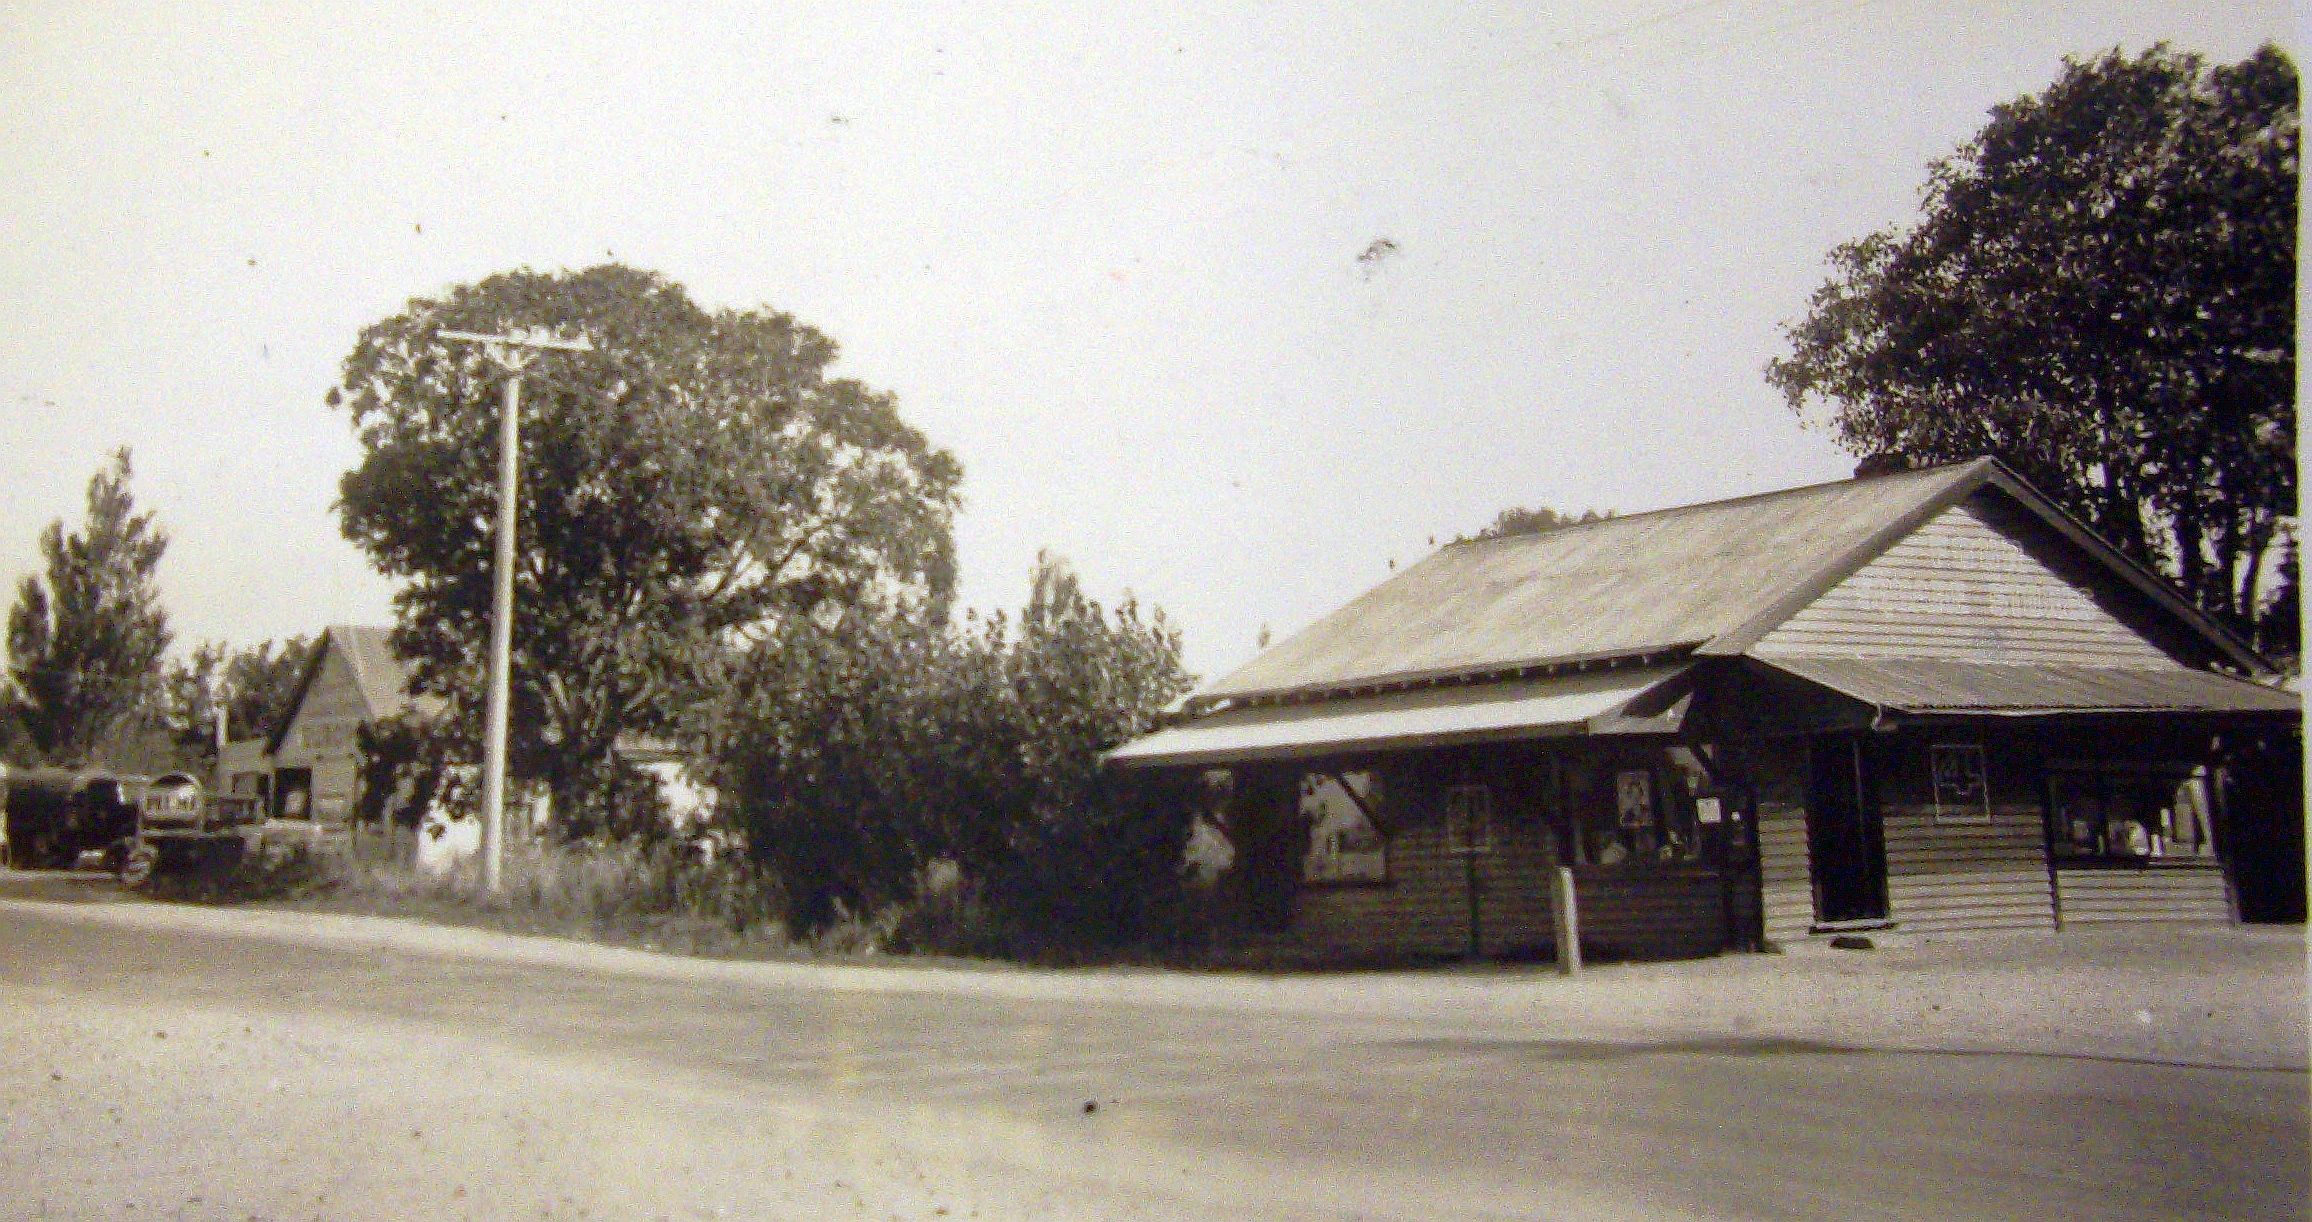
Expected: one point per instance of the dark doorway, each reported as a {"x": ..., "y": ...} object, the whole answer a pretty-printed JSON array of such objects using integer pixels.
[
  {"x": 1843, "y": 832},
  {"x": 2261, "y": 834},
  {"x": 293, "y": 793}
]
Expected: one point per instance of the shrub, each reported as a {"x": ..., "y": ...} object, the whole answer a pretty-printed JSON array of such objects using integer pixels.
[{"x": 858, "y": 754}]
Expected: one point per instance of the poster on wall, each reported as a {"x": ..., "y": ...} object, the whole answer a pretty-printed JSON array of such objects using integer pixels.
[
  {"x": 1634, "y": 797},
  {"x": 1468, "y": 819},
  {"x": 1962, "y": 789}
]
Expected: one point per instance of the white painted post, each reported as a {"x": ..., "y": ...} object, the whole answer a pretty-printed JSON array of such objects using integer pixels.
[
  {"x": 502, "y": 350},
  {"x": 501, "y": 643},
  {"x": 1565, "y": 921}
]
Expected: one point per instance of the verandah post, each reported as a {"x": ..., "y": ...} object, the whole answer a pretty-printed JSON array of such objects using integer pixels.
[{"x": 1565, "y": 921}]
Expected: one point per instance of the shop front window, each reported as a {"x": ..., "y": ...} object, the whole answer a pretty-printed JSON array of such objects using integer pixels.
[
  {"x": 1635, "y": 813},
  {"x": 1345, "y": 840},
  {"x": 2128, "y": 812}
]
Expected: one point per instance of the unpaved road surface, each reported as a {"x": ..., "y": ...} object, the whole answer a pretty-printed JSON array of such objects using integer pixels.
[{"x": 161, "y": 1061}]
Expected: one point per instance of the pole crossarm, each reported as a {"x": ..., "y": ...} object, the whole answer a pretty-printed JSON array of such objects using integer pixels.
[{"x": 534, "y": 338}]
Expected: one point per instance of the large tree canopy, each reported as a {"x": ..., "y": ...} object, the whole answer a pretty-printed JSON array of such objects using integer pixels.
[
  {"x": 2101, "y": 292},
  {"x": 84, "y": 646},
  {"x": 692, "y": 481}
]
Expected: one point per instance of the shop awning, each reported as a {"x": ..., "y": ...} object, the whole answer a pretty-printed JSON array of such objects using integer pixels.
[
  {"x": 1930, "y": 686},
  {"x": 1600, "y": 702}
]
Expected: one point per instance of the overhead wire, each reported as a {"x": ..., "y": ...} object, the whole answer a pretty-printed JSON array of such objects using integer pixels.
[{"x": 1475, "y": 76}]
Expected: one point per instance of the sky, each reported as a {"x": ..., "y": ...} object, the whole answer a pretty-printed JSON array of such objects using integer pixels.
[{"x": 1233, "y": 306}]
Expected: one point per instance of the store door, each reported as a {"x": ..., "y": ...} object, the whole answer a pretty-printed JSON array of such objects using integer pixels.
[{"x": 1843, "y": 832}]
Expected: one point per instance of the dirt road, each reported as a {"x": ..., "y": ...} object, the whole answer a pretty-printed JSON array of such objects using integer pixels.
[{"x": 178, "y": 1062}]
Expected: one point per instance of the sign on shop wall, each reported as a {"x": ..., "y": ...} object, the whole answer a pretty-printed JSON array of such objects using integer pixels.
[
  {"x": 1634, "y": 798},
  {"x": 1962, "y": 784}
]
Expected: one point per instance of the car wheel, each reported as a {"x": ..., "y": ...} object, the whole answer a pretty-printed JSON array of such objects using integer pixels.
[{"x": 139, "y": 864}]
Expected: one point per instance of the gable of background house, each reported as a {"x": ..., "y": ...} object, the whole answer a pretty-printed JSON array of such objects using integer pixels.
[{"x": 353, "y": 679}]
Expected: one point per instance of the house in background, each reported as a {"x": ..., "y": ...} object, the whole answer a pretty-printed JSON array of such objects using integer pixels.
[
  {"x": 1926, "y": 701},
  {"x": 689, "y": 801},
  {"x": 353, "y": 680},
  {"x": 245, "y": 768}
]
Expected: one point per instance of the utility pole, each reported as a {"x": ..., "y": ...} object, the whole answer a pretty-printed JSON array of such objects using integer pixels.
[
  {"x": 512, "y": 353},
  {"x": 218, "y": 710}
]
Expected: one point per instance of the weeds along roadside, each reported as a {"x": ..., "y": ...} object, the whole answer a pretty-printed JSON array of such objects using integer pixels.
[
  {"x": 656, "y": 897},
  {"x": 663, "y": 897}
]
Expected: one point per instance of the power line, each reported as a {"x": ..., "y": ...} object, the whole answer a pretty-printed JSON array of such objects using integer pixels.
[{"x": 1467, "y": 80}]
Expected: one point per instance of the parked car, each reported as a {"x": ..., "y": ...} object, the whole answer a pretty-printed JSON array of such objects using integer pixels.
[
  {"x": 56, "y": 814},
  {"x": 175, "y": 825}
]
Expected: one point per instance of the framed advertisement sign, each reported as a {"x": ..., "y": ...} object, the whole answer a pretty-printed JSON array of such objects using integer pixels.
[
  {"x": 1962, "y": 784},
  {"x": 1468, "y": 819},
  {"x": 1634, "y": 797}
]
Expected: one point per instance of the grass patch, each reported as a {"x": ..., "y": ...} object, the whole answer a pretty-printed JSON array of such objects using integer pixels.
[{"x": 655, "y": 898}]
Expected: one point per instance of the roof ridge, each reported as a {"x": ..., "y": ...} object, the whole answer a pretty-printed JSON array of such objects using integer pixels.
[{"x": 1615, "y": 519}]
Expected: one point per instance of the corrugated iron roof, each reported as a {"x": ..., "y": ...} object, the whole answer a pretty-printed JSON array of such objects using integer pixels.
[
  {"x": 1620, "y": 587},
  {"x": 381, "y": 674},
  {"x": 1939, "y": 685},
  {"x": 1425, "y": 717}
]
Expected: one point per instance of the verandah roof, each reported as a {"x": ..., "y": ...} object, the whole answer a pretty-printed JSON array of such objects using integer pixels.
[
  {"x": 1595, "y": 702},
  {"x": 1930, "y": 686}
]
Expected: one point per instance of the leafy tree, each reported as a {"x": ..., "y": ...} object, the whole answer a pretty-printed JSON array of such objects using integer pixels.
[
  {"x": 830, "y": 762},
  {"x": 2101, "y": 292},
  {"x": 257, "y": 683},
  {"x": 85, "y": 644},
  {"x": 859, "y": 754},
  {"x": 1521, "y": 521},
  {"x": 694, "y": 482},
  {"x": 1070, "y": 854}
]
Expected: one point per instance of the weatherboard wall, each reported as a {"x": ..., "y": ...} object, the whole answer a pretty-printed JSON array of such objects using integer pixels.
[
  {"x": 1785, "y": 881},
  {"x": 1963, "y": 865},
  {"x": 322, "y": 735},
  {"x": 1433, "y": 894},
  {"x": 2190, "y": 892},
  {"x": 1973, "y": 583}
]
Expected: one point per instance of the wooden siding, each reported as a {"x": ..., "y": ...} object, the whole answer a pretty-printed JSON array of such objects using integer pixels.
[
  {"x": 1423, "y": 910},
  {"x": 1961, "y": 587},
  {"x": 2106, "y": 895},
  {"x": 1946, "y": 877},
  {"x": 1786, "y": 887},
  {"x": 322, "y": 735},
  {"x": 1670, "y": 912},
  {"x": 1785, "y": 884},
  {"x": 1952, "y": 874}
]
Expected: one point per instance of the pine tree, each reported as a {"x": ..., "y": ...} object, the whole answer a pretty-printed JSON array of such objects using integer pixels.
[{"x": 85, "y": 645}]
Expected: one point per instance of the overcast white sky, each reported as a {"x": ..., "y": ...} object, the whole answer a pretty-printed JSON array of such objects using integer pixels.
[{"x": 1107, "y": 256}]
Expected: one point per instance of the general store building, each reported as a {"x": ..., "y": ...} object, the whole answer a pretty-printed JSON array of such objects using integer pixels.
[{"x": 1927, "y": 701}]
